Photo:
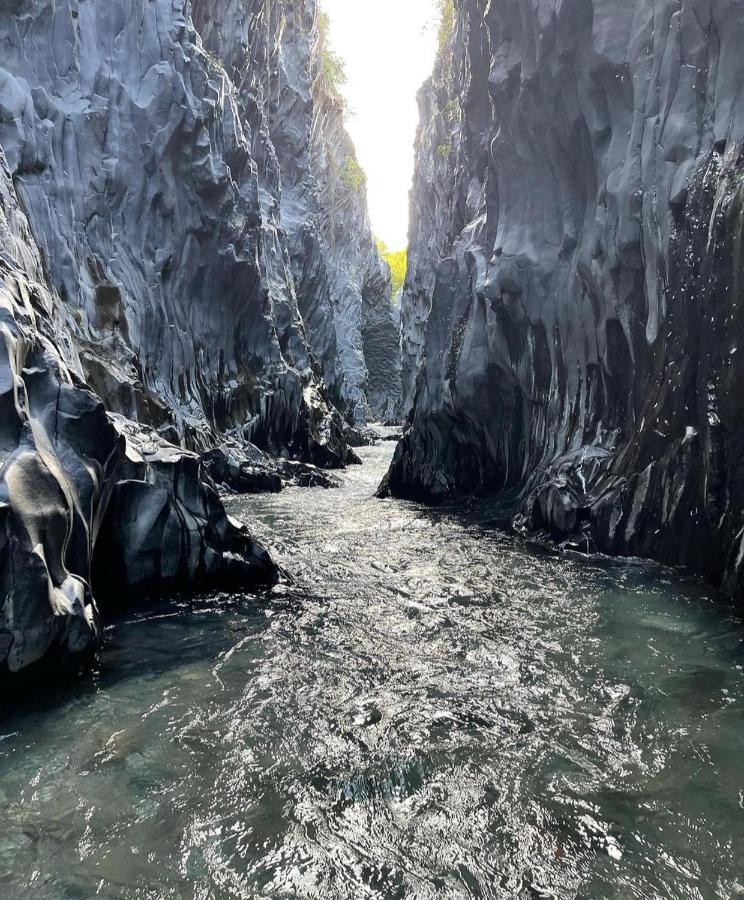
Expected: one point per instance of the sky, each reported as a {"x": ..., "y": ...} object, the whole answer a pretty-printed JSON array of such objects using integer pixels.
[{"x": 388, "y": 48}]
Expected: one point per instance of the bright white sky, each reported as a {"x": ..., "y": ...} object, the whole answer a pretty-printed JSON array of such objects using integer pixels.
[{"x": 388, "y": 47}]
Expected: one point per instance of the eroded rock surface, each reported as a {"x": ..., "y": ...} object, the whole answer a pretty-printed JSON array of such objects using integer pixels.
[
  {"x": 88, "y": 500},
  {"x": 182, "y": 167},
  {"x": 208, "y": 273},
  {"x": 339, "y": 275},
  {"x": 575, "y": 280}
]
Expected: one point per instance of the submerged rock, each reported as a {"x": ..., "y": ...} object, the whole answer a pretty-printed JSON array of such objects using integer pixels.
[{"x": 574, "y": 291}]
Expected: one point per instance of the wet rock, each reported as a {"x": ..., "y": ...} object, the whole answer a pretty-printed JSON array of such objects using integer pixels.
[
  {"x": 230, "y": 467},
  {"x": 88, "y": 500},
  {"x": 242, "y": 468},
  {"x": 572, "y": 312},
  {"x": 199, "y": 319},
  {"x": 165, "y": 528},
  {"x": 305, "y": 475},
  {"x": 362, "y": 437}
]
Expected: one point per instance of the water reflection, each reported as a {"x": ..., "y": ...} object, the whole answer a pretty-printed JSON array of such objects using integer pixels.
[{"x": 433, "y": 710}]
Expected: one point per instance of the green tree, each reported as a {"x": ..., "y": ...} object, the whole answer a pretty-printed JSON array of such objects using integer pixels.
[
  {"x": 446, "y": 21},
  {"x": 398, "y": 262},
  {"x": 332, "y": 69}
]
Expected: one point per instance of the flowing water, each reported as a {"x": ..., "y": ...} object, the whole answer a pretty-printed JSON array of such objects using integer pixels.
[{"x": 433, "y": 710}]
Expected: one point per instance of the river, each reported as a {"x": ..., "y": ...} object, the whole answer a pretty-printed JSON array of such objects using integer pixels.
[{"x": 433, "y": 709}]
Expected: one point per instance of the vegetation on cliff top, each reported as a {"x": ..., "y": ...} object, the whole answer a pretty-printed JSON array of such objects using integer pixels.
[
  {"x": 446, "y": 21},
  {"x": 352, "y": 174},
  {"x": 398, "y": 262},
  {"x": 332, "y": 69}
]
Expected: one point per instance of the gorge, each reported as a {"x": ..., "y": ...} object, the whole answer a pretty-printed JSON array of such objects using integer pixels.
[
  {"x": 209, "y": 280},
  {"x": 573, "y": 294},
  {"x": 314, "y": 591}
]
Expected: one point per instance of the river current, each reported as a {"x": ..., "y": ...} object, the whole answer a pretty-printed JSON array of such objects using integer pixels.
[{"x": 433, "y": 709}]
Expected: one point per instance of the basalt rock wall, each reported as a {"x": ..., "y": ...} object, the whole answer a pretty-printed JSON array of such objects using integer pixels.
[
  {"x": 170, "y": 292},
  {"x": 93, "y": 507},
  {"x": 339, "y": 274},
  {"x": 169, "y": 156},
  {"x": 573, "y": 308}
]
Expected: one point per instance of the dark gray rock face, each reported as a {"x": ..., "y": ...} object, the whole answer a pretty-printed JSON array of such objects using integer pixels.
[
  {"x": 87, "y": 499},
  {"x": 163, "y": 153},
  {"x": 575, "y": 283},
  {"x": 340, "y": 278},
  {"x": 238, "y": 467},
  {"x": 382, "y": 352},
  {"x": 207, "y": 276}
]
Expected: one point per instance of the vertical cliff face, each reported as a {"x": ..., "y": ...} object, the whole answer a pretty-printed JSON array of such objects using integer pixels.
[
  {"x": 169, "y": 158},
  {"x": 438, "y": 208},
  {"x": 337, "y": 275},
  {"x": 178, "y": 269},
  {"x": 92, "y": 505},
  {"x": 382, "y": 352},
  {"x": 577, "y": 261}
]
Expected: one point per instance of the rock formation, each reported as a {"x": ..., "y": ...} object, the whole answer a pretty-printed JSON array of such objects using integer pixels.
[
  {"x": 575, "y": 291},
  {"x": 172, "y": 155},
  {"x": 186, "y": 274},
  {"x": 88, "y": 500},
  {"x": 339, "y": 276}
]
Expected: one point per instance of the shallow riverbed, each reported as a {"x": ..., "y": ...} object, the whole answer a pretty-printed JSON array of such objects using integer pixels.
[{"x": 432, "y": 710}]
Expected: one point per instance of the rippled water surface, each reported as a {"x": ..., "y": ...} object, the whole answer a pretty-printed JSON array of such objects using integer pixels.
[{"x": 433, "y": 710}]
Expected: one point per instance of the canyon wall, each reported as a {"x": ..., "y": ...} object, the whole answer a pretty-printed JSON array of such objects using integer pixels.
[
  {"x": 95, "y": 509},
  {"x": 177, "y": 163},
  {"x": 341, "y": 284},
  {"x": 186, "y": 274},
  {"x": 572, "y": 316}
]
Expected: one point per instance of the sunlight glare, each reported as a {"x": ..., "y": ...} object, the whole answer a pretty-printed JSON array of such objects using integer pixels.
[{"x": 388, "y": 48}]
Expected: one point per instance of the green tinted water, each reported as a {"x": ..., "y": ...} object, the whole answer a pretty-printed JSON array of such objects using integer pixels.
[{"x": 433, "y": 710}]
